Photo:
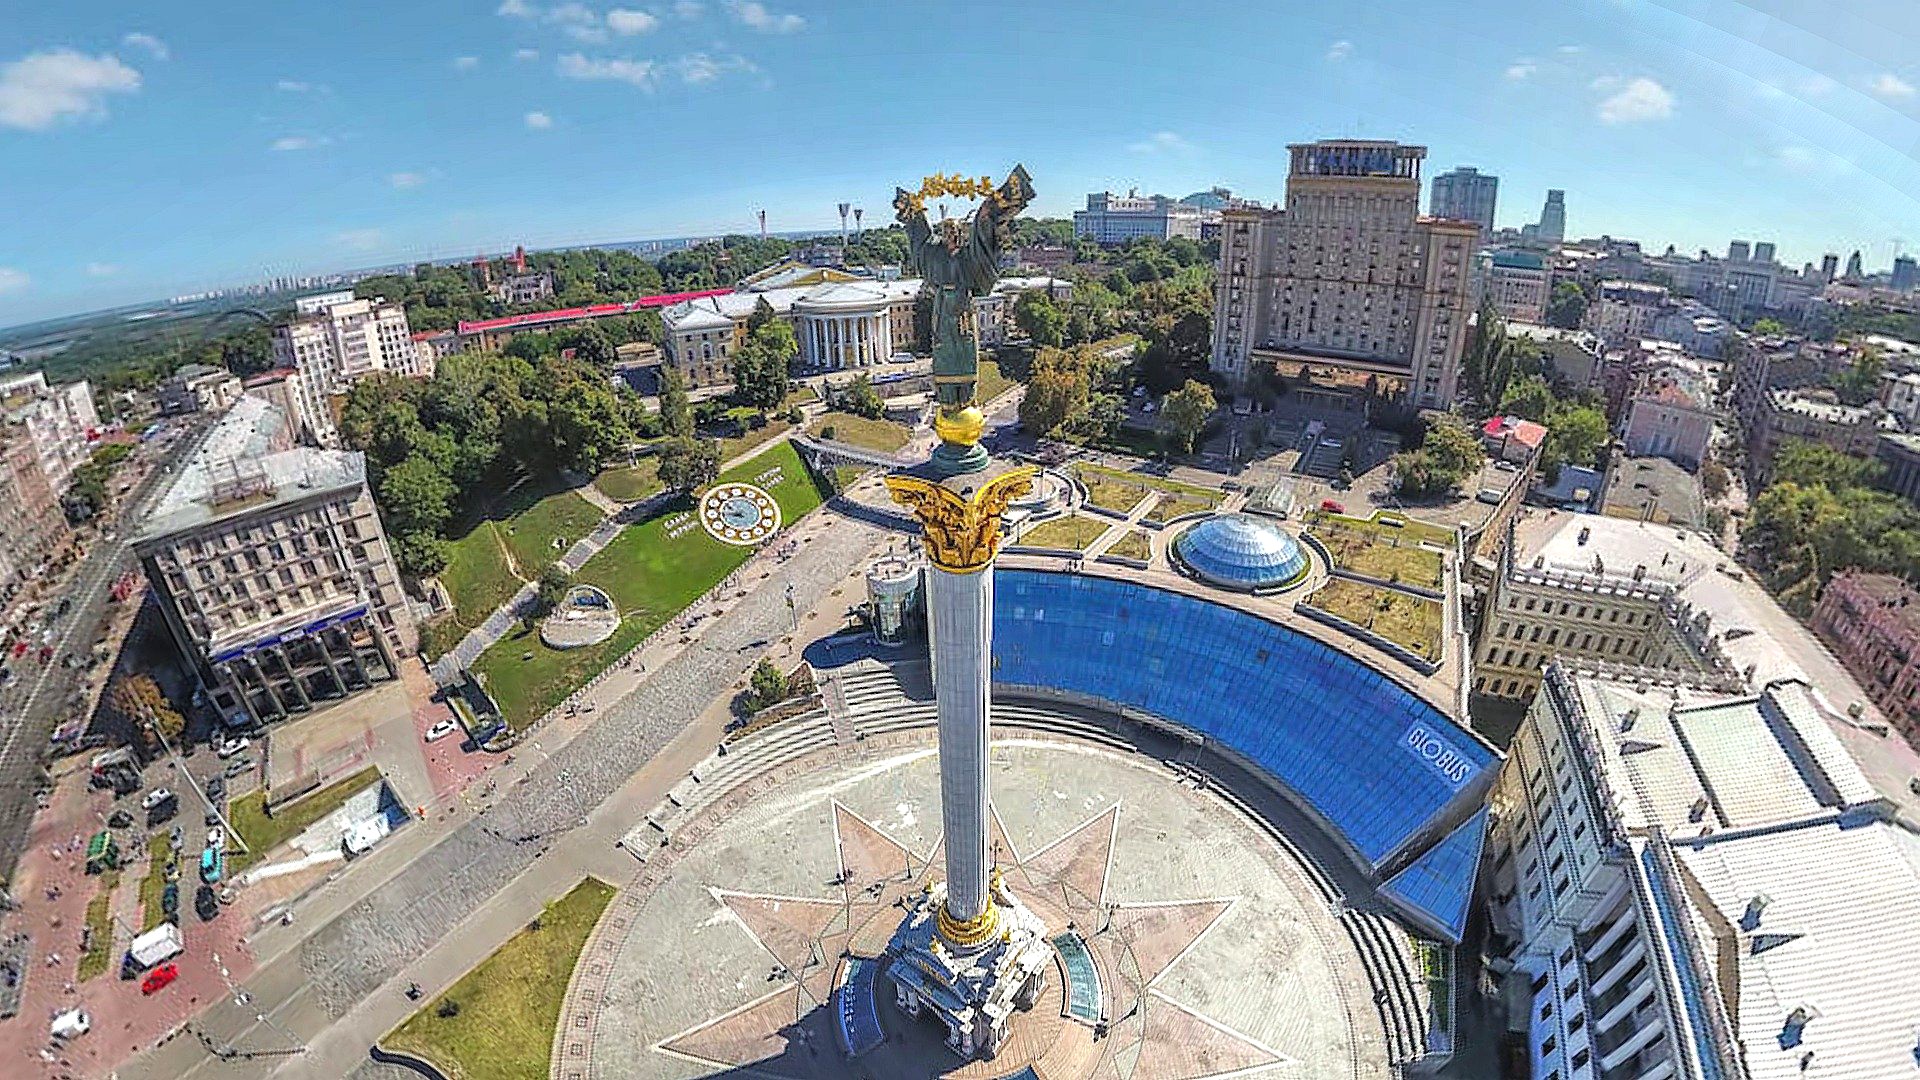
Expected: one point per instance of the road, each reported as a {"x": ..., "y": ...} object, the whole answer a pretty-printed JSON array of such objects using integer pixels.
[
  {"x": 329, "y": 978},
  {"x": 34, "y": 703}
]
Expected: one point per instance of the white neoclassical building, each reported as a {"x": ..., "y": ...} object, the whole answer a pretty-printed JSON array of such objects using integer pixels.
[{"x": 852, "y": 324}]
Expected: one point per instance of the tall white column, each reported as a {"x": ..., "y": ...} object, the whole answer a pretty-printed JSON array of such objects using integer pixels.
[{"x": 961, "y": 610}]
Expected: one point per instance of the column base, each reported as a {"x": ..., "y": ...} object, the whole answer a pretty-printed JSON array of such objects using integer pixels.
[
  {"x": 976, "y": 990},
  {"x": 954, "y": 459}
]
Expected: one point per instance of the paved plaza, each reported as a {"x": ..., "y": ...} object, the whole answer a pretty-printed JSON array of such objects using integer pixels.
[{"x": 1216, "y": 954}]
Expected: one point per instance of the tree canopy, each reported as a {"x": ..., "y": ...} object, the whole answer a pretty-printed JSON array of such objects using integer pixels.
[
  {"x": 1568, "y": 305},
  {"x": 1187, "y": 411},
  {"x": 1818, "y": 516}
]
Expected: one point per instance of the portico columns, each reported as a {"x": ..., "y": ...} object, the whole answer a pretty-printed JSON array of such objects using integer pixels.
[
  {"x": 266, "y": 684},
  {"x": 239, "y": 690},
  {"x": 333, "y": 669},
  {"x": 293, "y": 677}
]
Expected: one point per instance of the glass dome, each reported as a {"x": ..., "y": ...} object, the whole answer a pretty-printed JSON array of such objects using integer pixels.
[{"x": 1239, "y": 551}]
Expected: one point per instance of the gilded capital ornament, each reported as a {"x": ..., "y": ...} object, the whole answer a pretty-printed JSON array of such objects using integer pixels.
[{"x": 962, "y": 534}]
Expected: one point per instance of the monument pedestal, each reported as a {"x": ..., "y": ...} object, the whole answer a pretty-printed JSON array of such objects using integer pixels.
[{"x": 973, "y": 991}]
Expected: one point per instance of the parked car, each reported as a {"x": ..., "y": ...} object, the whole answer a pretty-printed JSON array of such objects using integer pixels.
[
  {"x": 217, "y": 838},
  {"x": 1332, "y": 506},
  {"x": 209, "y": 866},
  {"x": 216, "y": 788},
  {"x": 442, "y": 729},
  {"x": 179, "y": 838},
  {"x": 119, "y": 819},
  {"x": 232, "y": 746},
  {"x": 159, "y": 978},
  {"x": 205, "y": 904},
  {"x": 170, "y": 900},
  {"x": 155, "y": 798},
  {"x": 238, "y": 767}
]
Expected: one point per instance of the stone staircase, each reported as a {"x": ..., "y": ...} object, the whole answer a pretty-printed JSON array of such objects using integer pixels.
[{"x": 1399, "y": 993}]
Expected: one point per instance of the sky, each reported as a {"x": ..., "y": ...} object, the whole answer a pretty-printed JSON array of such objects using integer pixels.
[{"x": 153, "y": 150}]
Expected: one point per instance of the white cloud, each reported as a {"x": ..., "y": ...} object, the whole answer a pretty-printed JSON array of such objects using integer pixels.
[
  {"x": 1570, "y": 50},
  {"x": 1339, "y": 51},
  {"x": 639, "y": 73},
  {"x": 526, "y": 54},
  {"x": 293, "y": 86},
  {"x": 625, "y": 21},
  {"x": 755, "y": 16},
  {"x": 359, "y": 239},
  {"x": 153, "y": 45},
  {"x": 696, "y": 69},
  {"x": 12, "y": 280},
  {"x": 1162, "y": 142},
  {"x": 1633, "y": 101},
  {"x": 407, "y": 180},
  {"x": 577, "y": 20},
  {"x": 689, "y": 9},
  {"x": 465, "y": 63},
  {"x": 300, "y": 142},
  {"x": 46, "y": 88},
  {"x": 98, "y": 269},
  {"x": 517, "y": 9},
  {"x": 539, "y": 121},
  {"x": 1811, "y": 160},
  {"x": 1891, "y": 87},
  {"x": 1521, "y": 69}
]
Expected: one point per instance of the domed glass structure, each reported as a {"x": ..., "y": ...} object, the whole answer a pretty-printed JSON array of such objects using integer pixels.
[{"x": 1240, "y": 551}]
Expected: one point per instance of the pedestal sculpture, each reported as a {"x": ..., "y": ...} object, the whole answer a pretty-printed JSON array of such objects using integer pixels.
[{"x": 968, "y": 951}]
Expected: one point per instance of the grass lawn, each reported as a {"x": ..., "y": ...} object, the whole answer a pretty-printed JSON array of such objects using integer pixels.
[
  {"x": 477, "y": 576},
  {"x": 1174, "y": 504},
  {"x": 159, "y": 850},
  {"x": 882, "y": 435},
  {"x": 804, "y": 394},
  {"x": 526, "y": 522},
  {"x": 1070, "y": 533},
  {"x": 760, "y": 436},
  {"x": 262, "y": 833},
  {"x": 633, "y": 484},
  {"x": 100, "y": 921},
  {"x": 992, "y": 382},
  {"x": 1397, "y": 526},
  {"x": 653, "y": 570},
  {"x": 1411, "y": 621},
  {"x": 1133, "y": 544},
  {"x": 508, "y": 1006},
  {"x": 541, "y": 532},
  {"x": 1109, "y": 489},
  {"x": 1380, "y": 553}
]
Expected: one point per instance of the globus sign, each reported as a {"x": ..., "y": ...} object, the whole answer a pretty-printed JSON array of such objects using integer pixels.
[{"x": 1439, "y": 755}]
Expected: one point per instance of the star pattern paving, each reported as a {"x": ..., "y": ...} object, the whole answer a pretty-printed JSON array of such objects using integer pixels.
[{"x": 791, "y": 1032}]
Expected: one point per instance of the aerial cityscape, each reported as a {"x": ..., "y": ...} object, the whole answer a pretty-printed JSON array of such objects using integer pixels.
[{"x": 721, "y": 539}]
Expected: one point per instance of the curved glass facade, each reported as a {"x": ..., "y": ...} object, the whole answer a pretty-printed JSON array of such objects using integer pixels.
[
  {"x": 1376, "y": 761},
  {"x": 1241, "y": 551}
]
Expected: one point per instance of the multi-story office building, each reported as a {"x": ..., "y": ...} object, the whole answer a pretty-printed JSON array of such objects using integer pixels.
[
  {"x": 1517, "y": 285},
  {"x": 1829, "y": 266},
  {"x": 1626, "y": 311},
  {"x": 334, "y": 341},
  {"x": 1815, "y": 416},
  {"x": 1854, "y": 272},
  {"x": 1466, "y": 194},
  {"x": 1347, "y": 278},
  {"x": 1906, "y": 274},
  {"x": 57, "y": 421},
  {"x": 1763, "y": 365},
  {"x": 199, "y": 388},
  {"x": 1872, "y": 621},
  {"x": 1552, "y": 226},
  {"x": 1116, "y": 219},
  {"x": 272, "y": 572},
  {"x": 1700, "y": 883},
  {"x": 32, "y": 526}
]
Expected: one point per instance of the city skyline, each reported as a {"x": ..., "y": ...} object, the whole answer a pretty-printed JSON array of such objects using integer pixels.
[{"x": 174, "y": 155}]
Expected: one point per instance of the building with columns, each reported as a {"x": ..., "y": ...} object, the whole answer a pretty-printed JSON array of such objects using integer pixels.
[
  {"x": 1347, "y": 279},
  {"x": 272, "y": 572},
  {"x": 854, "y": 324}
]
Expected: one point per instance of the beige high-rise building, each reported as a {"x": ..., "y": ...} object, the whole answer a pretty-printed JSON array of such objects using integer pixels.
[
  {"x": 272, "y": 572},
  {"x": 1347, "y": 279},
  {"x": 334, "y": 341}
]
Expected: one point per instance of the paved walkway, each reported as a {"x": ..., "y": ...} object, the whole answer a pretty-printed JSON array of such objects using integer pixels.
[{"x": 457, "y": 886}]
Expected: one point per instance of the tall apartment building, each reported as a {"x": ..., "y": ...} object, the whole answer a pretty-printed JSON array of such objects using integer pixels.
[
  {"x": 58, "y": 421},
  {"x": 1347, "y": 278},
  {"x": 1466, "y": 194},
  {"x": 334, "y": 341},
  {"x": 1552, "y": 227},
  {"x": 272, "y": 572},
  {"x": 1699, "y": 883},
  {"x": 1906, "y": 274},
  {"x": 32, "y": 527},
  {"x": 1829, "y": 266},
  {"x": 1854, "y": 271},
  {"x": 1763, "y": 365},
  {"x": 1116, "y": 219},
  {"x": 1872, "y": 622}
]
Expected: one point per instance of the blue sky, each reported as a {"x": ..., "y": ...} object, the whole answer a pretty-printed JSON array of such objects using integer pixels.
[{"x": 149, "y": 150}]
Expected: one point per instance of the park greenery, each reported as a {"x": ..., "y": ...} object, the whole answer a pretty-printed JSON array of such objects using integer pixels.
[
  {"x": 1821, "y": 514},
  {"x": 1512, "y": 376},
  {"x": 1446, "y": 455},
  {"x": 1567, "y": 307},
  {"x": 1186, "y": 412}
]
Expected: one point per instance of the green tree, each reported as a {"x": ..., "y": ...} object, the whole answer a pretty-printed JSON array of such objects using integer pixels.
[
  {"x": 1860, "y": 383},
  {"x": 1714, "y": 479},
  {"x": 1187, "y": 411},
  {"x": 1054, "y": 393},
  {"x": 760, "y": 366},
  {"x": 768, "y": 686},
  {"x": 1807, "y": 463},
  {"x": 687, "y": 463},
  {"x": 416, "y": 496},
  {"x": 1568, "y": 305},
  {"x": 1529, "y": 398},
  {"x": 761, "y": 315},
  {"x": 676, "y": 416},
  {"x": 861, "y": 399},
  {"x": 1575, "y": 436},
  {"x": 552, "y": 587},
  {"x": 419, "y": 554},
  {"x": 141, "y": 703},
  {"x": 1039, "y": 318},
  {"x": 1447, "y": 455}
]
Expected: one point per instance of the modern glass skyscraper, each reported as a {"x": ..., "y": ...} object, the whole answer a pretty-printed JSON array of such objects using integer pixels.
[
  {"x": 1553, "y": 217},
  {"x": 1465, "y": 194}
]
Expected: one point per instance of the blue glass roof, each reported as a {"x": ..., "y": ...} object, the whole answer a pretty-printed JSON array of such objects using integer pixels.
[
  {"x": 1439, "y": 884},
  {"x": 1376, "y": 761},
  {"x": 1241, "y": 551}
]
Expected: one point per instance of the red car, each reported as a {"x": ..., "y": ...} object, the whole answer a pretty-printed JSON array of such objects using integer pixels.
[
  {"x": 1332, "y": 507},
  {"x": 158, "y": 978}
]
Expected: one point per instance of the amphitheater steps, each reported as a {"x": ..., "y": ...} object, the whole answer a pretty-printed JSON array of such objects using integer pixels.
[{"x": 1400, "y": 1003}]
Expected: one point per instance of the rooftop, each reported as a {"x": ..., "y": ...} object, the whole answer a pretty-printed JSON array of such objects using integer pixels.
[
  {"x": 1823, "y": 410},
  {"x": 1635, "y": 484},
  {"x": 242, "y": 465},
  {"x": 1887, "y": 591},
  {"x": 1757, "y": 636},
  {"x": 1513, "y": 427}
]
